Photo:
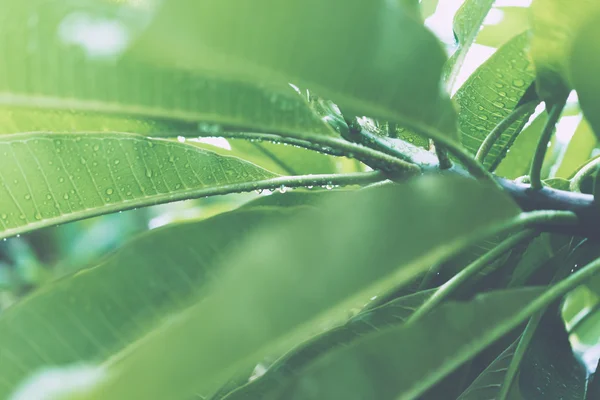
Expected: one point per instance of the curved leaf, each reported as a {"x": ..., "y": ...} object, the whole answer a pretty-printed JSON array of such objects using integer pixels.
[
  {"x": 52, "y": 59},
  {"x": 488, "y": 383},
  {"x": 283, "y": 370},
  {"x": 403, "y": 362},
  {"x": 295, "y": 279},
  {"x": 467, "y": 23},
  {"x": 490, "y": 94},
  {"x": 93, "y": 314},
  {"x": 390, "y": 68},
  {"x": 47, "y": 179},
  {"x": 554, "y": 24},
  {"x": 583, "y": 64}
]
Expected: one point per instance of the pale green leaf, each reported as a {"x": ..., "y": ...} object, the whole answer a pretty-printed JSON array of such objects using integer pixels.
[
  {"x": 93, "y": 314},
  {"x": 373, "y": 59},
  {"x": 73, "y": 56},
  {"x": 295, "y": 279},
  {"x": 48, "y": 179},
  {"x": 492, "y": 93},
  {"x": 554, "y": 24},
  {"x": 578, "y": 151},
  {"x": 514, "y": 21},
  {"x": 367, "y": 322},
  {"x": 467, "y": 22},
  {"x": 583, "y": 63}
]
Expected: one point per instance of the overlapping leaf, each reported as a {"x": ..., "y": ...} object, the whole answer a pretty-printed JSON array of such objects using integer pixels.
[
  {"x": 47, "y": 179},
  {"x": 390, "y": 68},
  {"x": 72, "y": 56},
  {"x": 293, "y": 280},
  {"x": 490, "y": 94}
]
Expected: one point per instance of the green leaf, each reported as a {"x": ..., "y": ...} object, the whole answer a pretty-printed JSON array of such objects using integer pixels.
[
  {"x": 583, "y": 63},
  {"x": 295, "y": 279},
  {"x": 396, "y": 62},
  {"x": 558, "y": 183},
  {"x": 579, "y": 150},
  {"x": 550, "y": 369},
  {"x": 424, "y": 351},
  {"x": 487, "y": 384},
  {"x": 554, "y": 23},
  {"x": 51, "y": 64},
  {"x": 367, "y": 322},
  {"x": 491, "y": 94},
  {"x": 48, "y": 179},
  {"x": 93, "y": 314},
  {"x": 515, "y": 20},
  {"x": 467, "y": 23}
]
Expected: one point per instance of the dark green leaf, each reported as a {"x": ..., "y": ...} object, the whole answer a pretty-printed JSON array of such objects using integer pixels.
[
  {"x": 491, "y": 94},
  {"x": 488, "y": 383},
  {"x": 558, "y": 183},
  {"x": 550, "y": 369},
  {"x": 401, "y": 363}
]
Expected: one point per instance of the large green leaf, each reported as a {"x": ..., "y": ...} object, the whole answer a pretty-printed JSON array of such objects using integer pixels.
[
  {"x": 490, "y": 94},
  {"x": 72, "y": 56},
  {"x": 467, "y": 23},
  {"x": 91, "y": 315},
  {"x": 583, "y": 63},
  {"x": 554, "y": 24},
  {"x": 403, "y": 362},
  {"x": 281, "y": 372},
  {"x": 295, "y": 279},
  {"x": 47, "y": 179},
  {"x": 389, "y": 68}
]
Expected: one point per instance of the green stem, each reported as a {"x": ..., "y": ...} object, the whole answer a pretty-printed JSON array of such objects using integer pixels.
[
  {"x": 442, "y": 155},
  {"x": 506, "y": 123},
  {"x": 527, "y": 336},
  {"x": 474, "y": 167},
  {"x": 520, "y": 351},
  {"x": 583, "y": 173},
  {"x": 542, "y": 147},
  {"x": 443, "y": 293},
  {"x": 325, "y": 144}
]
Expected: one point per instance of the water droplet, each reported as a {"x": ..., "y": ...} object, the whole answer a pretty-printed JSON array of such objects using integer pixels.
[
  {"x": 4, "y": 216},
  {"x": 310, "y": 187},
  {"x": 483, "y": 117},
  {"x": 27, "y": 197},
  {"x": 499, "y": 85},
  {"x": 22, "y": 216},
  {"x": 181, "y": 139},
  {"x": 66, "y": 196},
  {"x": 498, "y": 104},
  {"x": 83, "y": 161},
  {"x": 480, "y": 108},
  {"x": 61, "y": 179},
  {"x": 329, "y": 186},
  {"x": 129, "y": 193},
  {"x": 282, "y": 189},
  {"x": 503, "y": 94},
  {"x": 117, "y": 162},
  {"x": 96, "y": 147},
  {"x": 178, "y": 186},
  {"x": 519, "y": 82},
  {"x": 109, "y": 191},
  {"x": 38, "y": 216},
  {"x": 148, "y": 173}
]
